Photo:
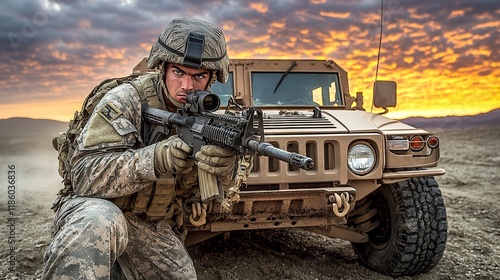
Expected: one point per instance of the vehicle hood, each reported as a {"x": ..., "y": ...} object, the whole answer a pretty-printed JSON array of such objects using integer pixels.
[{"x": 331, "y": 121}]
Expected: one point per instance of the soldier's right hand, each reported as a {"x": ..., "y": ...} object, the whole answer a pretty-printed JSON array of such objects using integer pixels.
[{"x": 172, "y": 157}]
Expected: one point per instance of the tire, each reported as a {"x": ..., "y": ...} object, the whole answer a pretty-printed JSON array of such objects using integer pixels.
[{"x": 411, "y": 234}]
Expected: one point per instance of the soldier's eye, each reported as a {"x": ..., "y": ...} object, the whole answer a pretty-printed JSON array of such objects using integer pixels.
[{"x": 200, "y": 76}]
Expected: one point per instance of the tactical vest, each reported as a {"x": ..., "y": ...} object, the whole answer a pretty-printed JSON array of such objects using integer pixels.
[{"x": 153, "y": 199}]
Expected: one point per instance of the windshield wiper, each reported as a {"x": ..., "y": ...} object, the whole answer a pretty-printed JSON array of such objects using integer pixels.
[{"x": 294, "y": 63}]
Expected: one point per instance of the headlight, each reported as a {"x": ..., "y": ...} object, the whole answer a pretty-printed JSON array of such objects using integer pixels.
[{"x": 361, "y": 158}]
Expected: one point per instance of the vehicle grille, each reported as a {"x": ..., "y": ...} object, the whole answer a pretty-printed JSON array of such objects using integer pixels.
[{"x": 329, "y": 153}]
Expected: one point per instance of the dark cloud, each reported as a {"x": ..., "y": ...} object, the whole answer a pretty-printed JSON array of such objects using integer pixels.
[{"x": 63, "y": 47}]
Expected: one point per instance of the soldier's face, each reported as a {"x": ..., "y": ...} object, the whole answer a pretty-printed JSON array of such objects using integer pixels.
[{"x": 180, "y": 80}]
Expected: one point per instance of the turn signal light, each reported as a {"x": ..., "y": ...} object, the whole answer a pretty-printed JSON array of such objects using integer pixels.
[
  {"x": 417, "y": 143},
  {"x": 433, "y": 142}
]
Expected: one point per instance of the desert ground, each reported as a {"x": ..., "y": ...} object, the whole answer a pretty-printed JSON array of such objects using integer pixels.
[{"x": 471, "y": 190}]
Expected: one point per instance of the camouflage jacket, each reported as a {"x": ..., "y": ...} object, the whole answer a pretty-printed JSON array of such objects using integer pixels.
[{"x": 111, "y": 160}]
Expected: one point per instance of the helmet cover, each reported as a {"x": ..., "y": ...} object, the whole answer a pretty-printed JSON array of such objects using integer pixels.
[{"x": 193, "y": 43}]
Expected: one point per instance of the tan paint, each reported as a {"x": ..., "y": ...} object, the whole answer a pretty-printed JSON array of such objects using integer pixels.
[{"x": 278, "y": 196}]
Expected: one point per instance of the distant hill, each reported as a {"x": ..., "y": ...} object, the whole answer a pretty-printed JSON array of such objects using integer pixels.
[
  {"x": 44, "y": 130},
  {"x": 15, "y": 127},
  {"x": 489, "y": 119},
  {"x": 21, "y": 135}
]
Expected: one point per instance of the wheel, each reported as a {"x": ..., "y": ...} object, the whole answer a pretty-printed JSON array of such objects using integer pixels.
[{"x": 406, "y": 225}]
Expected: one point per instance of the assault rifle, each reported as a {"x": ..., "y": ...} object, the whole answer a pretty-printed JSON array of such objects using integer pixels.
[{"x": 198, "y": 125}]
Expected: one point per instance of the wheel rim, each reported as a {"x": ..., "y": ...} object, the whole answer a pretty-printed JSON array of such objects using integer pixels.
[{"x": 381, "y": 235}]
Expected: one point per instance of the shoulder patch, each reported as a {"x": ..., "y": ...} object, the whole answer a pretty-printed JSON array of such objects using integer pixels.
[{"x": 109, "y": 112}]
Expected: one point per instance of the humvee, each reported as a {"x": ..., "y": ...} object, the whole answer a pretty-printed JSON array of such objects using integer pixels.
[{"x": 373, "y": 181}]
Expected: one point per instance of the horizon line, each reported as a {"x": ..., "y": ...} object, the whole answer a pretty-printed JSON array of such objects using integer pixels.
[{"x": 435, "y": 117}]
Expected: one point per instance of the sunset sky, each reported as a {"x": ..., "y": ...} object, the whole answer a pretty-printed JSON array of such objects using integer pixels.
[{"x": 444, "y": 55}]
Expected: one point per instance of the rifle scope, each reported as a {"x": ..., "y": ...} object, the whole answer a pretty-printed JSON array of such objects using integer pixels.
[{"x": 200, "y": 101}]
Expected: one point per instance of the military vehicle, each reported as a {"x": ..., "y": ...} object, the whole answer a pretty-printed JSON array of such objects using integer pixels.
[{"x": 373, "y": 181}]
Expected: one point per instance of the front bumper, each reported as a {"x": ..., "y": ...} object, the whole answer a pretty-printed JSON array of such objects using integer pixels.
[
  {"x": 401, "y": 175},
  {"x": 281, "y": 209}
]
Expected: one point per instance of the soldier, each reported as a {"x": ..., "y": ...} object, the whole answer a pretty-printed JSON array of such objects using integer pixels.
[{"x": 105, "y": 217}]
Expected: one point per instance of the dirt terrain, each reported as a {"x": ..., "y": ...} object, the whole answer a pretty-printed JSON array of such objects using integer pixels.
[{"x": 471, "y": 190}]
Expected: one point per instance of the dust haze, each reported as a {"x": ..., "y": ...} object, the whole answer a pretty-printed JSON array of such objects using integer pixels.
[
  {"x": 27, "y": 145},
  {"x": 471, "y": 188}
]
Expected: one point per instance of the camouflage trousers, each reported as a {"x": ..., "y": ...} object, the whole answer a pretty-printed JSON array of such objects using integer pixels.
[{"x": 90, "y": 234}]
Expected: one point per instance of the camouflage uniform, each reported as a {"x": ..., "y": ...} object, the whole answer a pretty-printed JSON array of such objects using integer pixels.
[
  {"x": 111, "y": 163},
  {"x": 91, "y": 233}
]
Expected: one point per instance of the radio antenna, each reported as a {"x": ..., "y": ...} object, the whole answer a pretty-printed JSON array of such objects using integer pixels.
[{"x": 379, "y": 42}]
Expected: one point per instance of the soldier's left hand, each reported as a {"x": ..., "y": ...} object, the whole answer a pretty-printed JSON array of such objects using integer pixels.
[{"x": 216, "y": 160}]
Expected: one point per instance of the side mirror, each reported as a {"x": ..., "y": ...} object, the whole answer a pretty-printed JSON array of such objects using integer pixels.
[{"x": 384, "y": 94}]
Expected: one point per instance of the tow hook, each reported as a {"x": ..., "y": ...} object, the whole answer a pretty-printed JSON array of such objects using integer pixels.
[
  {"x": 198, "y": 211},
  {"x": 341, "y": 200}
]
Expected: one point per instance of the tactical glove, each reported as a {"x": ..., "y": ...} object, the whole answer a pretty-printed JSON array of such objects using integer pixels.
[
  {"x": 188, "y": 180},
  {"x": 172, "y": 157},
  {"x": 216, "y": 160}
]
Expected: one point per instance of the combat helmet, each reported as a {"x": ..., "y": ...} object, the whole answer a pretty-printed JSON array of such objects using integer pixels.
[{"x": 193, "y": 43}]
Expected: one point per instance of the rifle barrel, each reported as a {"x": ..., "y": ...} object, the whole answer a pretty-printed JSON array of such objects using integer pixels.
[{"x": 293, "y": 159}]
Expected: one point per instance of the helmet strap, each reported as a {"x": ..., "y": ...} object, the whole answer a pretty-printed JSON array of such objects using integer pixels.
[{"x": 213, "y": 79}]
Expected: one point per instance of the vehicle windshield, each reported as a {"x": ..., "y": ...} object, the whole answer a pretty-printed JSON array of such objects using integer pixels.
[
  {"x": 224, "y": 91},
  {"x": 297, "y": 89}
]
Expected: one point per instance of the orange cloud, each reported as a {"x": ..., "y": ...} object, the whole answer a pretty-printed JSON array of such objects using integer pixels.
[
  {"x": 259, "y": 7},
  {"x": 59, "y": 55},
  {"x": 335, "y": 15},
  {"x": 277, "y": 25},
  {"x": 455, "y": 14},
  {"x": 444, "y": 65}
]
